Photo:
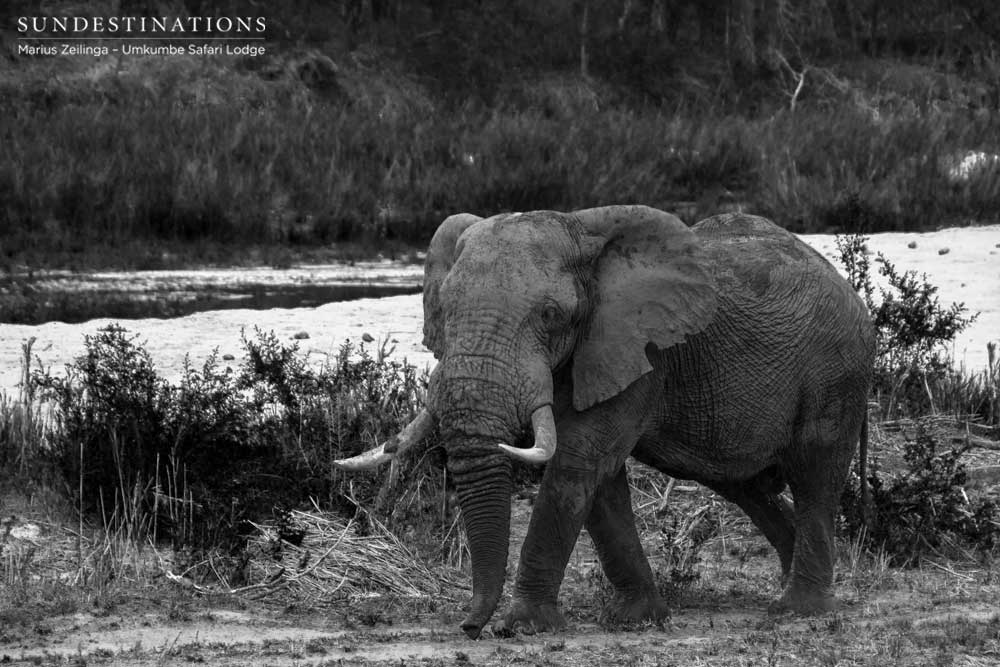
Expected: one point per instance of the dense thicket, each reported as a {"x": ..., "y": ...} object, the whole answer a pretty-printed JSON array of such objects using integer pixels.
[{"x": 737, "y": 47}]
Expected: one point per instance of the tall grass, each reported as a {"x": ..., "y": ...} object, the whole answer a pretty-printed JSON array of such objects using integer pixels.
[{"x": 238, "y": 160}]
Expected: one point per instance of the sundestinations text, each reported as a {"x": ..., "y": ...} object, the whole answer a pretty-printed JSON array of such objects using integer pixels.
[{"x": 27, "y": 25}]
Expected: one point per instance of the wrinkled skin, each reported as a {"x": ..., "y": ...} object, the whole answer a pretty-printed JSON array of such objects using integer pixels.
[{"x": 729, "y": 353}]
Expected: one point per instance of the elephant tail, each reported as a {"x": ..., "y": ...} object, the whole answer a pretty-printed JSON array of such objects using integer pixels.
[{"x": 866, "y": 491}]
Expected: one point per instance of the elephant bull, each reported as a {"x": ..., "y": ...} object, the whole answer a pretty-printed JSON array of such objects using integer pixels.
[{"x": 729, "y": 353}]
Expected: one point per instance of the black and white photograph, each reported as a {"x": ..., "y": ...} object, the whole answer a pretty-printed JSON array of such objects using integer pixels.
[{"x": 500, "y": 332}]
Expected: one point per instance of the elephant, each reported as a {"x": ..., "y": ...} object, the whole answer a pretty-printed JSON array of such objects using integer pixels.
[{"x": 729, "y": 353}]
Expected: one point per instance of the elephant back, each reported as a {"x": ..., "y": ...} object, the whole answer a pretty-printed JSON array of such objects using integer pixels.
[
  {"x": 752, "y": 251},
  {"x": 768, "y": 275}
]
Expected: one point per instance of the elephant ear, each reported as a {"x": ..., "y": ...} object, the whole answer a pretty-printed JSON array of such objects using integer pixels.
[
  {"x": 652, "y": 284},
  {"x": 441, "y": 254}
]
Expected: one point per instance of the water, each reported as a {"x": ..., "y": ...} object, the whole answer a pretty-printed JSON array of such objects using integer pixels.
[{"x": 27, "y": 305}]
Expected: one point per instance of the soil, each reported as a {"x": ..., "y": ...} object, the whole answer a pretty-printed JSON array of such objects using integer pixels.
[
  {"x": 939, "y": 613},
  {"x": 714, "y": 626}
]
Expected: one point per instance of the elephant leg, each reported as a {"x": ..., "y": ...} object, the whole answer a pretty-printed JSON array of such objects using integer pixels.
[
  {"x": 557, "y": 517},
  {"x": 817, "y": 470},
  {"x": 611, "y": 525},
  {"x": 565, "y": 498},
  {"x": 770, "y": 512}
]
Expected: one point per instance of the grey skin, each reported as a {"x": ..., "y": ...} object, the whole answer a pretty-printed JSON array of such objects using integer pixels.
[{"x": 729, "y": 353}]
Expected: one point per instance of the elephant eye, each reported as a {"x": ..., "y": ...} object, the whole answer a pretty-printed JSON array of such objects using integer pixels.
[{"x": 551, "y": 317}]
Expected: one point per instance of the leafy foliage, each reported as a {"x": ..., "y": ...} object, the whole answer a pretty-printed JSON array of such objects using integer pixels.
[
  {"x": 924, "y": 510},
  {"x": 196, "y": 460},
  {"x": 912, "y": 329}
]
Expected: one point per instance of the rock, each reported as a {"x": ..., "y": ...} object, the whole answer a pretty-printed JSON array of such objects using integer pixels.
[
  {"x": 302, "y": 335},
  {"x": 944, "y": 251},
  {"x": 228, "y": 357},
  {"x": 911, "y": 244},
  {"x": 367, "y": 337}
]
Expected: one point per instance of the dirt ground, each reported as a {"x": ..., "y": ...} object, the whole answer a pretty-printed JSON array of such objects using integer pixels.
[
  {"x": 924, "y": 616},
  {"x": 892, "y": 628},
  {"x": 940, "y": 613}
]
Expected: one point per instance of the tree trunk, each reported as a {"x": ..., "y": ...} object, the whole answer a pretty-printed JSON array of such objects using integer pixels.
[
  {"x": 712, "y": 19},
  {"x": 623, "y": 19},
  {"x": 656, "y": 16},
  {"x": 584, "y": 33},
  {"x": 873, "y": 18},
  {"x": 742, "y": 51},
  {"x": 770, "y": 34},
  {"x": 844, "y": 22},
  {"x": 823, "y": 25}
]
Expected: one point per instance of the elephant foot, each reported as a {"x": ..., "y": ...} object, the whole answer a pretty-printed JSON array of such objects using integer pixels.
[
  {"x": 529, "y": 618},
  {"x": 628, "y": 610},
  {"x": 803, "y": 601}
]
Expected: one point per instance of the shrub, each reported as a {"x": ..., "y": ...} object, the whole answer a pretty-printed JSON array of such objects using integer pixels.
[
  {"x": 196, "y": 461},
  {"x": 912, "y": 330},
  {"x": 923, "y": 510}
]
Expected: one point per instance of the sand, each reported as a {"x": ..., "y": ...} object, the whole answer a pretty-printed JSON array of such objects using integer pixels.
[{"x": 963, "y": 262}]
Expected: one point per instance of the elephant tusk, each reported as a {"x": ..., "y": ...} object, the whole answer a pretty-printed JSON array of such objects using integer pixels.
[
  {"x": 413, "y": 433},
  {"x": 372, "y": 458},
  {"x": 544, "y": 425}
]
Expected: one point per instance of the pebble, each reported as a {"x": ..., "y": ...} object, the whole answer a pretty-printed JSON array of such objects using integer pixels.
[
  {"x": 944, "y": 251},
  {"x": 302, "y": 335},
  {"x": 911, "y": 244}
]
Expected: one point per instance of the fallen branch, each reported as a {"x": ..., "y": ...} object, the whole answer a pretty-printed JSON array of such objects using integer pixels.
[{"x": 975, "y": 441}]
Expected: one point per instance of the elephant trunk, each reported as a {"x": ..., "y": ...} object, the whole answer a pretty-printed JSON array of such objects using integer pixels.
[
  {"x": 482, "y": 477},
  {"x": 482, "y": 401}
]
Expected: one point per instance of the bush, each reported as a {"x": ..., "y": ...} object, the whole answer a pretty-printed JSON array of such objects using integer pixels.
[
  {"x": 924, "y": 510},
  {"x": 912, "y": 330},
  {"x": 196, "y": 461}
]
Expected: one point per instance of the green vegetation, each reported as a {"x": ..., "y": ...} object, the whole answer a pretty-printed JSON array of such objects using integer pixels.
[
  {"x": 914, "y": 374},
  {"x": 192, "y": 463},
  {"x": 76, "y": 176},
  {"x": 920, "y": 507},
  {"x": 923, "y": 510},
  {"x": 390, "y": 120}
]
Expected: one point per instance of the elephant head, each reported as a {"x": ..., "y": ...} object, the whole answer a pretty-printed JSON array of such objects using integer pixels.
[{"x": 511, "y": 300}]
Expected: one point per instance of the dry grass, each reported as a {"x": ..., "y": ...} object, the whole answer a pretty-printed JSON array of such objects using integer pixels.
[{"x": 319, "y": 558}]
